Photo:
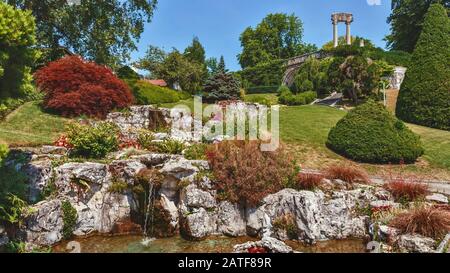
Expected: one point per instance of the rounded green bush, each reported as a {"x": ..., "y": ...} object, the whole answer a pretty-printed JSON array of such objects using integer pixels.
[{"x": 371, "y": 134}]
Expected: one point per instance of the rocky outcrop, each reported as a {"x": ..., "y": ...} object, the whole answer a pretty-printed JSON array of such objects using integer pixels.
[
  {"x": 4, "y": 239},
  {"x": 45, "y": 225},
  {"x": 266, "y": 245},
  {"x": 437, "y": 198},
  {"x": 413, "y": 243},
  {"x": 39, "y": 175},
  {"x": 151, "y": 118},
  {"x": 316, "y": 217}
]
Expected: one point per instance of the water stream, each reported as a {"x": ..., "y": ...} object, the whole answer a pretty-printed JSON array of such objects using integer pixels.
[
  {"x": 149, "y": 215},
  {"x": 133, "y": 244}
]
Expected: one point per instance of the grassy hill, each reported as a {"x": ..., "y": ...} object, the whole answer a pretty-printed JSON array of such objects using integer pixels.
[{"x": 30, "y": 126}]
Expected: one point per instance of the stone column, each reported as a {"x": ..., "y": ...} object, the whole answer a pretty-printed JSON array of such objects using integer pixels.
[
  {"x": 348, "y": 34},
  {"x": 335, "y": 34}
]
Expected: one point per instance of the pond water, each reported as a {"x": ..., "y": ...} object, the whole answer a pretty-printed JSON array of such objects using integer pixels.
[{"x": 133, "y": 244}]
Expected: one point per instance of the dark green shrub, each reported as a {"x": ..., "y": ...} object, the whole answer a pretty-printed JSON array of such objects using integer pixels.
[
  {"x": 425, "y": 95},
  {"x": 369, "y": 133},
  {"x": 70, "y": 217},
  {"x": 93, "y": 141},
  {"x": 221, "y": 86}
]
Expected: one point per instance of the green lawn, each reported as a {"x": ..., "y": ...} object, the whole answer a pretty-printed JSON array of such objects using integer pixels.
[
  {"x": 29, "y": 126},
  {"x": 436, "y": 144}
]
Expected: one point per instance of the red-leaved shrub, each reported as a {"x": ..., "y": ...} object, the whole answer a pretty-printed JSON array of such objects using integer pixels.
[
  {"x": 245, "y": 174},
  {"x": 429, "y": 222},
  {"x": 406, "y": 190},
  {"x": 74, "y": 87},
  {"x": 348, "y": 174},
  {"x": 309, "y": 181}
]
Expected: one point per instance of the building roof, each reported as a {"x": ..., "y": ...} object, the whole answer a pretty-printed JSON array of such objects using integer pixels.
[{"x": 161, "y": 83}]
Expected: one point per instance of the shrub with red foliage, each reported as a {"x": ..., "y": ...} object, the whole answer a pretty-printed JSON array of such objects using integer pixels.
[
  {"x": 257, "y": 250},
  {"x": 349, "y": 174},
  {"x": 429, "y": 222},
  {"x": 406, "y": 189},
  {"x": 245, "y": 174},
  {"x": 63, "y": 141},
  {"x": 74, "y": 87},
  {"x": 309, "y": 181}
]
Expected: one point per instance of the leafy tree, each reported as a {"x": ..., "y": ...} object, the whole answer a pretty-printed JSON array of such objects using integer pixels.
[
  {"x": 342, "y": 41},
  {"x": 406, "y": 22},
  {"x": 425, "y": 95},
  {"x": 174, "y": 68},
  {"x": 355, "y": 76},
  {"x": 17, "y": 38},
  {"x": 278, "y": 36},
  {"x": 103, "y": 31},
  {"x": 268, "y": 74},
  {"x": 195, "y": 52},
  {"x": 212, "y": 65}
]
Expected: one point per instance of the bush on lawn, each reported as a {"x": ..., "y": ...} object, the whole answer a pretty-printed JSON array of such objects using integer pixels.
[
  {"x": 75, "y": 87},
  {"x": 93, "y": 141},
  {"x": 406, "y": 189},
  {"x": 425, "y": 95},
  {"x": 245, "y": 174},
  {"x": 287, "y": 98},
  {"x": 309, "y": 181},
  {"x": 349, "y": 174},
  {"x": 371, "y": 134}
]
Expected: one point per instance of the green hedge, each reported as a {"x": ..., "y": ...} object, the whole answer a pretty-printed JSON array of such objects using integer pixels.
[
  {"x": 288, "y": 98},
  {"x": 262, "y": 89},
  {"x": 146, "y": 93},
  {"x": 371, "y": 134}
]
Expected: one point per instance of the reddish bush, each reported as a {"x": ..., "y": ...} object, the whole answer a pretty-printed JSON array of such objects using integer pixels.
[
  {"x": 309, "y": 181},
  {"x": 257, "y": 250},
  {"x": 429, "y": 222},
  {"x": 405, "y": 188},
  {"x": 245, "y": 174},
  {"x": 63, "y": 141},
  {"x": 74, "y": 87},
  {"x": 348, "y": 174}
]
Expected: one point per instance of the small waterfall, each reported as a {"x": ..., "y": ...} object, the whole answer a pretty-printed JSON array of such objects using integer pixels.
[{"x": 149, "y": 215}]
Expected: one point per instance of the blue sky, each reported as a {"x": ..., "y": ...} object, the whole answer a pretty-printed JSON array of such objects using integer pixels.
[{"x": 218, "y": 23}]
